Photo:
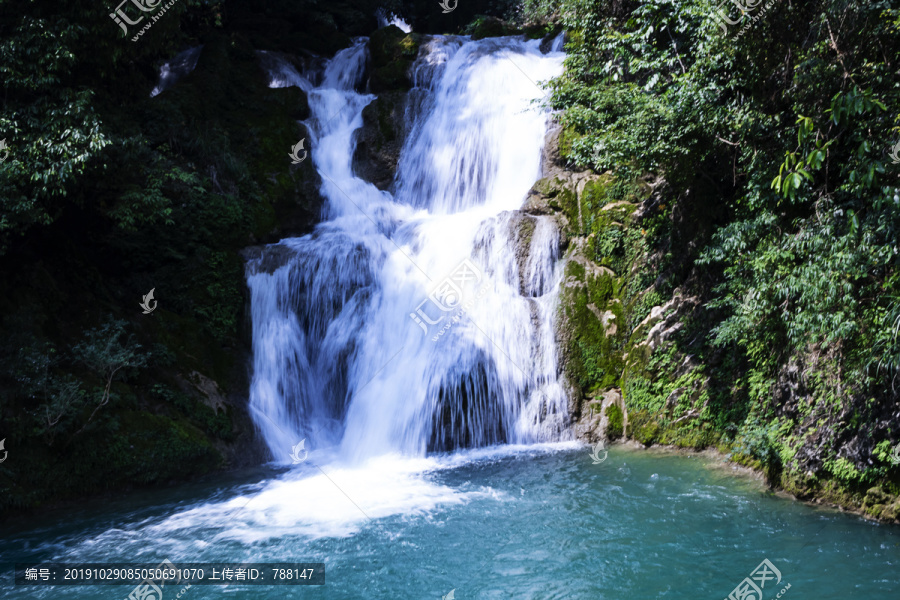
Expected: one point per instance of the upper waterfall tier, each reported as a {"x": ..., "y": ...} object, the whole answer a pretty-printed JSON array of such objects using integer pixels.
[{"x": 420, "y": 321}]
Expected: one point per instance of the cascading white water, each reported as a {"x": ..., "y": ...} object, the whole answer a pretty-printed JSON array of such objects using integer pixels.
[
  {"x": 420, "y": 321},
  {"x": 385, "y": 18},
  {"x": 175, "y": 69}
]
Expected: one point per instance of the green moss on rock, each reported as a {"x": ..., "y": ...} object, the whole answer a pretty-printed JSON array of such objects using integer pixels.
[
  {"x": 393, "y": 53},
  {"x": 642, "y": 426},
  {"x": 614, "y": 427},
  {"x": 485, "y": 26}
]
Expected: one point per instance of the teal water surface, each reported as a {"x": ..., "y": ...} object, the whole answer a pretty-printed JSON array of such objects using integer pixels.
[{"x": 511, "y": 522}]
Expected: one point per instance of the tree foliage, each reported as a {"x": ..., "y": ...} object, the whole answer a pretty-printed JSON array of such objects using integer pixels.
[{"x": 779, "y": 137}]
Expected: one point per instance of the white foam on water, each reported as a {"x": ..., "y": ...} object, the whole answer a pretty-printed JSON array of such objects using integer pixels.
[{"x": 175, "y": 69}]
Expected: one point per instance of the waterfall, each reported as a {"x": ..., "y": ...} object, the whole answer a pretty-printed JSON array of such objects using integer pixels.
[
  {"x": 386, "y": 18},
  {"x": 559, "y": 42},
  {"x": 175, "y": 69},
  {"x": 419, "y": 320}
]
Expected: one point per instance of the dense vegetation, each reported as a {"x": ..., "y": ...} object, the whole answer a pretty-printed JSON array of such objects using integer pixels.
[
  {"x": 769, "y": 210},
  {"x": 106, "y": 193},
  {"x": 736, "y": 242}
]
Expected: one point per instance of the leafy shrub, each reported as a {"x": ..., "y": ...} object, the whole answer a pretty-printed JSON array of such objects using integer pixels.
[
  {"x": 783, "y": 208},
  {"x": 642, "y": 426},
  {"x": 760, "y": 443},
  {"x": 105, "y": 352}
]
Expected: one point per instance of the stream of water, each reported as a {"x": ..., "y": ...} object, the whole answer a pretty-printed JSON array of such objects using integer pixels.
[
  {"x": 413, "y": 321},
  {"x": 535, "y": 522}
]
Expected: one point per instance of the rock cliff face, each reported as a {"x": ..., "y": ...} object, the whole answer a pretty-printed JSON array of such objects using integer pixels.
[
  {"x": 635, "y": 332},
  {"x": 381, "y": 138},
  {"x": 379, "y": 141}
]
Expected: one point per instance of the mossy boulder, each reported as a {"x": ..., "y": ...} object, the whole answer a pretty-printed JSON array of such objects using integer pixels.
[
  {"x": 392, "y": 52},
  {"x": 245, "y": 129},
  {"x": 381, "y": 138},
  {"x": 614, "y": 427},
  {"x": 591, "y": 350},
  {"x": 486, "y": 26},
  {"x": 880, "y": 504},
  {"x": 642, "y": 426},
  {"x": 522, "y": 227}
]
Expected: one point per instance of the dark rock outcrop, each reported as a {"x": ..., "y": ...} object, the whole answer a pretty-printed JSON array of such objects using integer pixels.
[
  {"x": 392, "y": 54},
  {"x": 381, "y": 138}
]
